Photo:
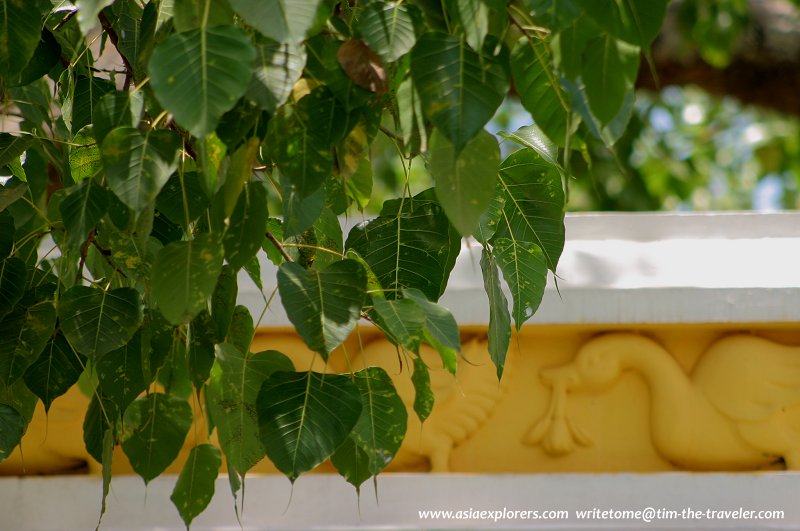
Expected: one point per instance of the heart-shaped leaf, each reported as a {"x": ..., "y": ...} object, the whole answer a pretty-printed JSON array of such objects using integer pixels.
[
  {"x": 184, "y": 276},
  {"x": 282, "y": 20},
  {"x": 82, "y": 209},
  {"x": 19, "y": 35},
  {"x": 304, "y": 417},
  {"x": 324, "y": 306},
  {"x": 120, "y": 374},
  {"x": 13, "y": 274},
  {"x": 55, "y": 371},
  {"x": 138, "y": 164},
  {"x": 154, "y": 429},
  {"x": 12, "y": 428},
  {"x": 278, "y": 67},
  {"x": 195, "y": 486},
  {"x": 390, "y": 29},
  {"x": 97, "y": 321},
  {"x": 23, "y": 335},
  {"x": 198, "y": 75}
]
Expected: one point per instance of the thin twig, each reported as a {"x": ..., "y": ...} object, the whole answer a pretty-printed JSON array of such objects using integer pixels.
[
  {"x": 66, "y": 19},
  {"x": 271, "y": 237},
  {"x": 84, "y": 252},
  {"x": 114, "y": 38}
]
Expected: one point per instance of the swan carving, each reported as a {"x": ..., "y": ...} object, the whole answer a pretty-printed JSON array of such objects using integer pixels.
[{"x": 738, "y": 409}]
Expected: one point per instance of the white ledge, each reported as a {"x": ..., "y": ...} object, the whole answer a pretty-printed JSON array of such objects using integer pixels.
[
  {"x": 323, "y": 502},
  {"x": 652, "y": 268}
]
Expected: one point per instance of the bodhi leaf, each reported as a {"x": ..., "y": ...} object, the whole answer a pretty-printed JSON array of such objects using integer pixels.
[
  {"x": 440, "y": 330},
  {"x": 120, "y": 373},
  {"x": 403, "y": 319},
  {"x": 423, "y": 395},
  {"x": 460, "y": 90},
  {"x": 195, "y": 486},
  {"x": 12, "y": 428},
  {"x": 12, "y": 147},
  {"x": 609, "y": 72},
  {"x": 23, "y": 335},
  {"x": 323, "y": 305},
  {"x": 533, "y": 209},
  {"x": 12, "y": 283},
  {"x": 278, "y": 67},
  {"x": 245, "y": 232},
  {"x": 55, "y": 371},
  {"x": 242, "y": 330},
  {"x": 525, "y": 271},
  {"x": 411, "y": 244},
  {"x": 154, "y": 429},
  {"x": 82, "y": 209},
  {"x": 389, "y": 28},
  {"x": 634, "y": 21},
  {"x": 101, "y": 418},
  {"x": 231, "y": 395},
  {"x": 539, "y": 89},
  {"x": 198, "y": 75},
  {"x": 138, "y": 164},
  {"x": 19, "y": 35},
  {"x": 499, "y": 318},
  {"x": 98, "y": 321},
  {"x": 304, "y": 417},
  {"x": 465, "y": 183},
  {"x": 184, "y": 276},
  {"x": 223, "y": 301},
  {"x": 380, "y": 429},
  {"x": 88, "y": 11},
  {"x": 282, "y": 20}
]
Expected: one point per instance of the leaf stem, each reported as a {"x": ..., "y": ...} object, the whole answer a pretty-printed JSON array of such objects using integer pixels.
[{"x": 278, "y": 245}]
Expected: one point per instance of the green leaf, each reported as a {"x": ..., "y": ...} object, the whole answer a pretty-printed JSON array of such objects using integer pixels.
[
  {"x": 12, "y": 428},
  {"x": 88, "y": 11},
  {"x": 97, "y": 321},
  {"x": 19, "y": 35},
  {"x": 304, "y": 417},
  {"x": 10, "y": 192},
  {"x": 154, "y": 429},
  {"x": 609, "y": 72},
  {"x": 411, "y": 118},
  {"x": 200, "y": 350},
  {"x": 470, "y": 17},
  {"x": 525, "y": 270},
  {"x": 410, "y": 245},
  {"x": 18, "y": 396},
  {"x": 555, "y": 15},
  {"x": 82, "y": 209},
  {"x": 300, "y": 136},
  {"x": 181, "y": 198},
  {"x": 117, "y": 109},
  {"x": 101, "y": 418},
  {"x": 403, "y": 319},
  {"x": 239, "y": 172},
  {"x": 192, "y": 14},
  {"x": 84, "y": 156},
  {"x": 441, "y": 329},
  {"x": 274, "y": 227},
  {"x": 109, "y": 441},
  {"x": 569, "y": 45},
  {"x": 380, "y": 429},
  {"x": 243, "y": 237},
  {"x": 6, "y": 235},
  {"x": 242, "y": 330},
  {"x": 635, "y": 21},
  {"x": 120, "y": 373},
  {"x": 328, "y": 235},
  {"x": 323, "y": 305},
  {"x": 465, "y": 183},
  {"x": 45, "y": 57},
  {"x": 12, "y": 283},
  {"x": 499, "y": 318},
  {"x": 390, "y": 29},
  {"x": 423, "y": 395},
  {"x": 12, "y": 147},
  {"x": 460, "y": 90},
  {"x": 23, "y": 336},
  {"x": 184, "y": 276},
  {"x": 532, "y": 137},
  {"x": 195, "y": 486},
  {"x": 539, "y": 89},
  {"x": 55, "y": 371},
  {"x": 278, "y": 67},
  {"x": 533, "y": 208},
  {"x": 138, "y": 164},
  {"x": 299, "y": 213},
  {"x": 87, "y": 94},
  {"x": 200, "y": 74},
  {"x": 231, "y": 396},
  {"x": 282, "y": 20},
  {"x": 223, "y": 301}
]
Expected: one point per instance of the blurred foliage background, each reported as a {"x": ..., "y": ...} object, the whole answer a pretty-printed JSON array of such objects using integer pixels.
[{"x": 715, "y": 126}]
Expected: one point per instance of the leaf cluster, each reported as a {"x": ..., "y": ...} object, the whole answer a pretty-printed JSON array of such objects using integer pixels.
[{"x": 156, "y": 163}]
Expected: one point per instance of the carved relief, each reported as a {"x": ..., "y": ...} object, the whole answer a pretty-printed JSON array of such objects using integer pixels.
[{"x": 739, "y": 408}]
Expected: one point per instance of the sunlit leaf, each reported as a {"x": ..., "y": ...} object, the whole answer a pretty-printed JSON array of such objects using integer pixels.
[
  {"x": 609, "y": 72},
  {"x": 282, "y": 20},
  {"x": 200, "y": 74},
  {"x": 154, "y": 429},
  {"x": 88, "y": 11},
  {"x": 390, "y": 29},
  {"x": 440, "y": 329},
  {"x": 465, "y": 183},
  {"x": 525, "y": 271},
  {"x": 459, "y": 89},
  {"x": 403, "y": 319},
  {"x": 304, "y": 417},
  {"x": 278, "y": 67}
]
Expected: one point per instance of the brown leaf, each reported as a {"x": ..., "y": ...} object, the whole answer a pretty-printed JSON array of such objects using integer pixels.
[{"x": 363, "y": 66}]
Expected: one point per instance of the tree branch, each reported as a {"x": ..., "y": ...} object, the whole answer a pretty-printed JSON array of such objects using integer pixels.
[
  {"x": 114, "y": 38},
  {"x": 278, "y": 245}
]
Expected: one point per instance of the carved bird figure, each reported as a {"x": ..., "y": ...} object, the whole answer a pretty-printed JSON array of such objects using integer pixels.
[{"x": 738, "y": 409}]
